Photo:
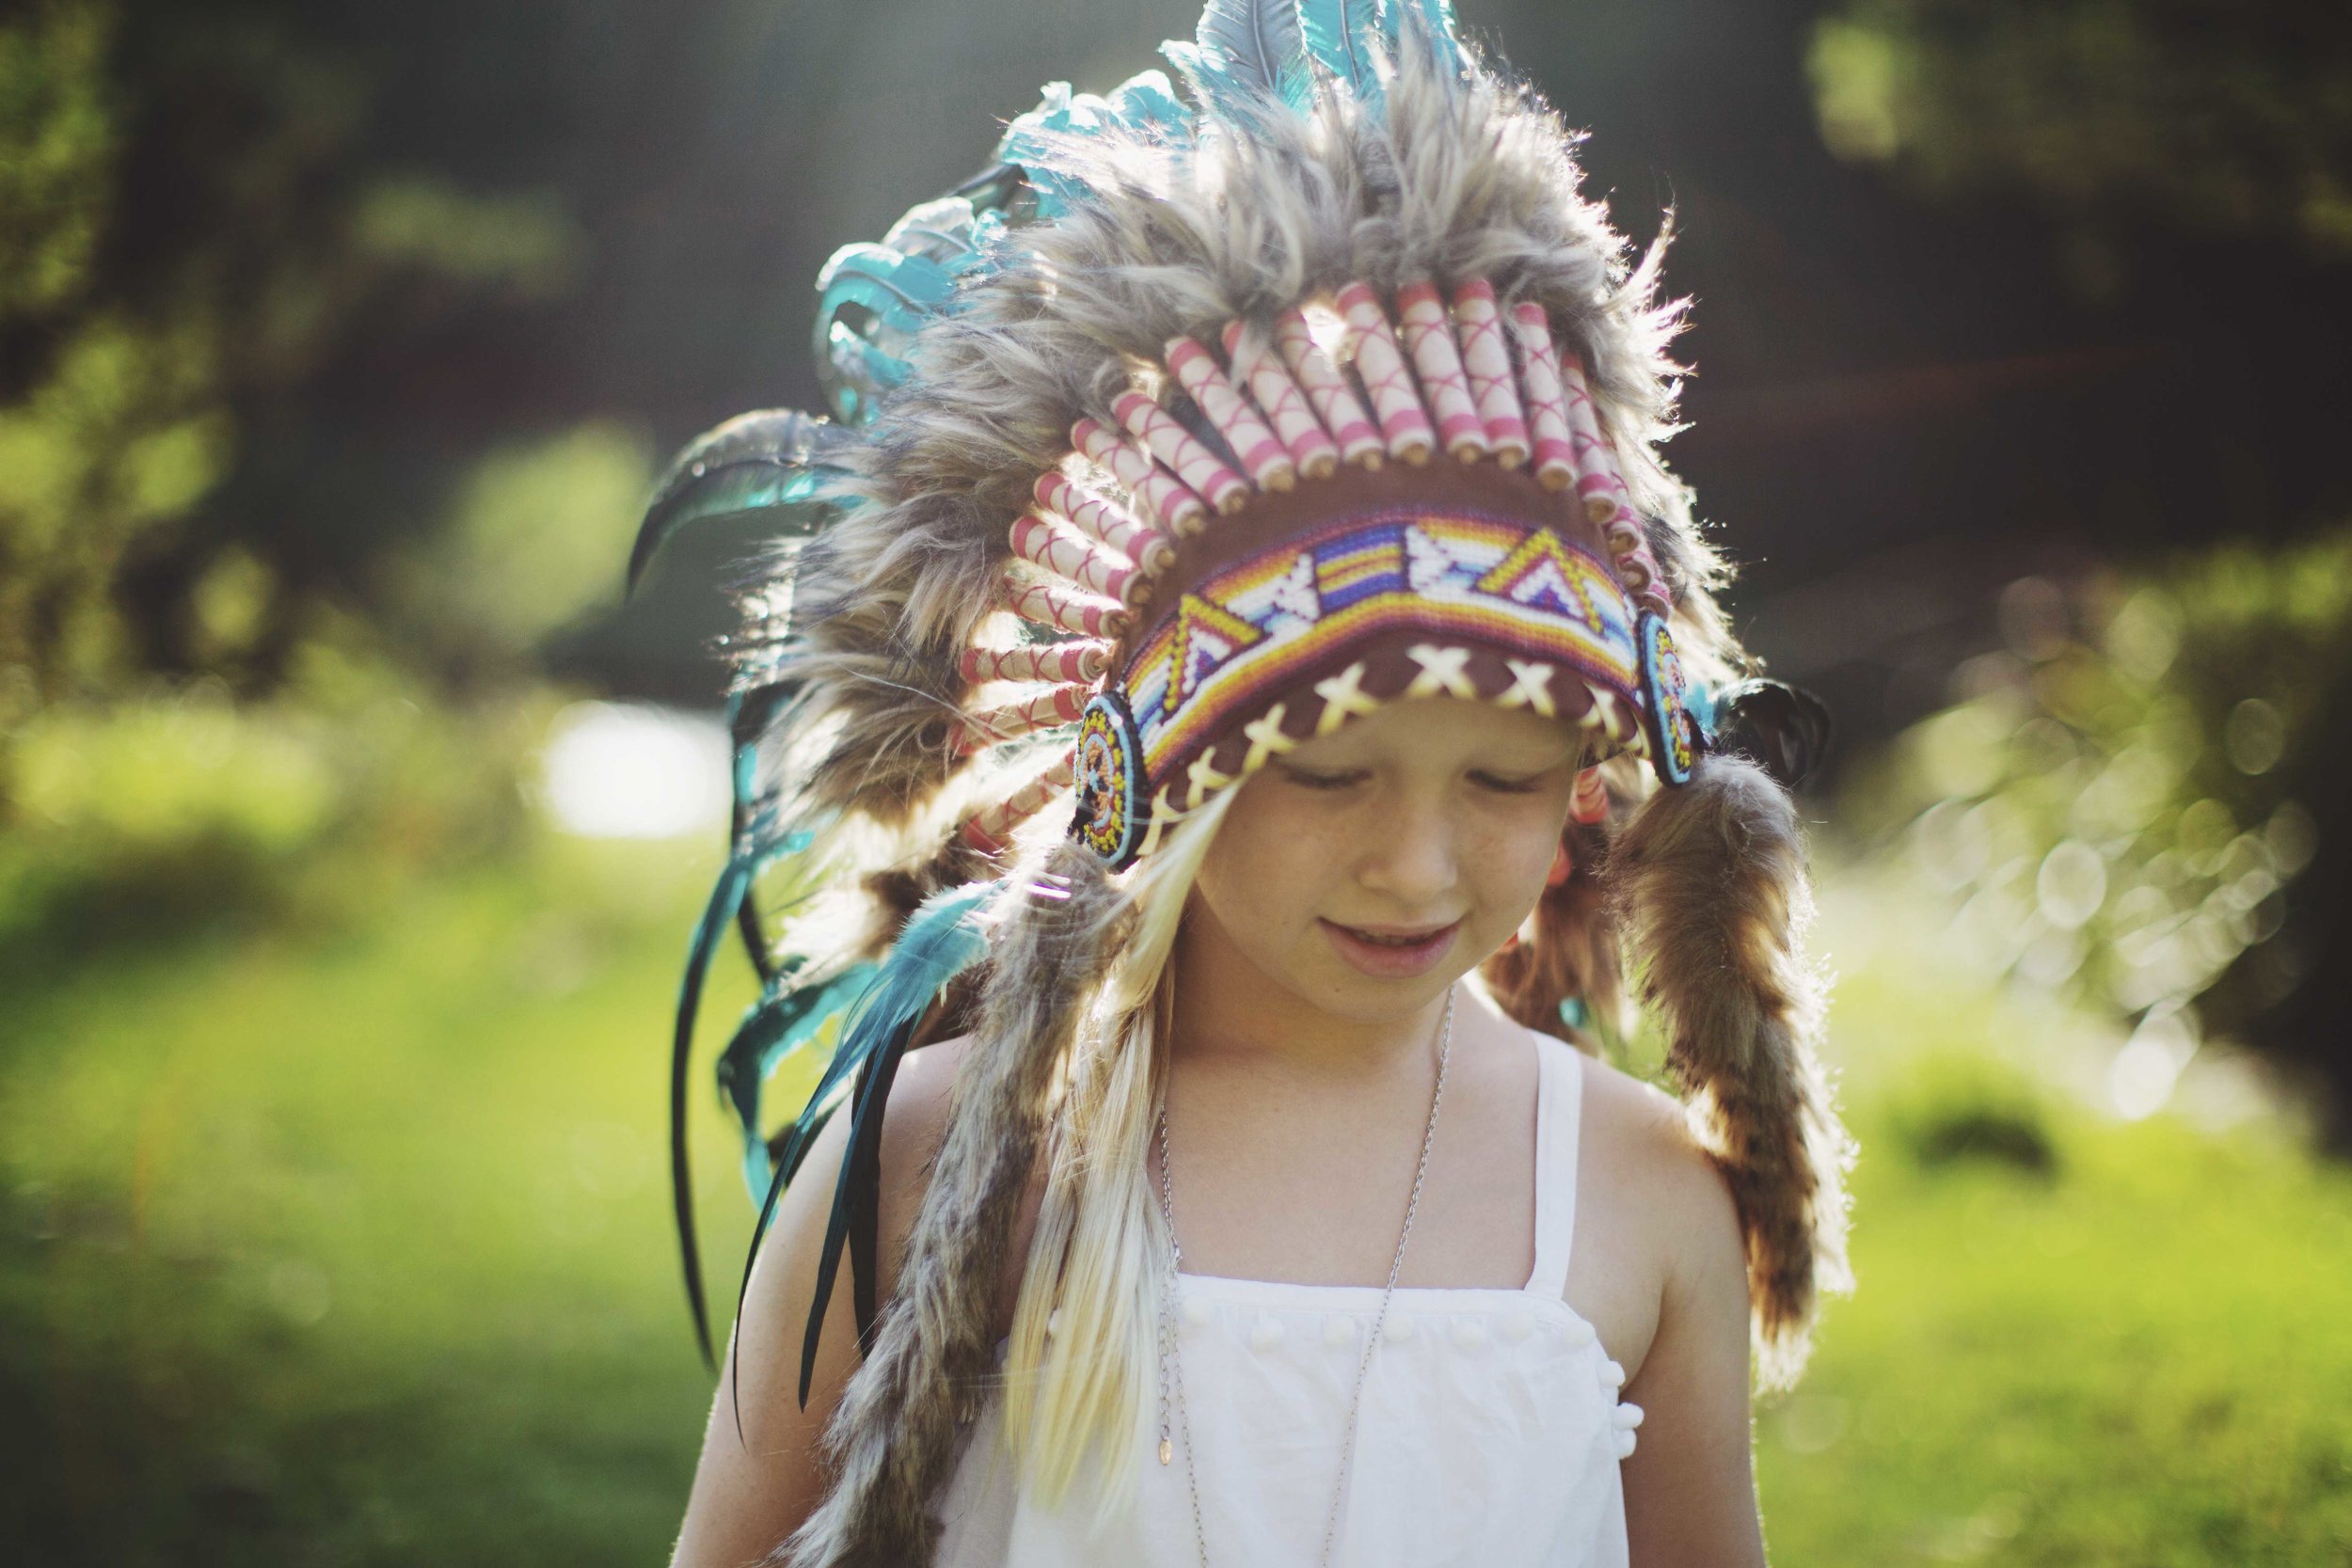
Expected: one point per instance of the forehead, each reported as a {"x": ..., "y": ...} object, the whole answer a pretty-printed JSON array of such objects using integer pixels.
[{"x": 1444, "y": 729}]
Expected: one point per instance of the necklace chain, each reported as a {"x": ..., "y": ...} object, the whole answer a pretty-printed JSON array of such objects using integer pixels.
[{"x": 1171, "y": 1361}]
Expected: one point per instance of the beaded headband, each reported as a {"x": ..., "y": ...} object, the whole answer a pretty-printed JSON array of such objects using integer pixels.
[{"x": 1190, "y": 641}]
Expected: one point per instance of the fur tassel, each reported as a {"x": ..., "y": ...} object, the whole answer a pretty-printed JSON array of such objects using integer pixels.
[
  {"x": 1710, "y": 883},
  {"x": 1571, "y": 952},
  {"x": 893, "y": 1439}
]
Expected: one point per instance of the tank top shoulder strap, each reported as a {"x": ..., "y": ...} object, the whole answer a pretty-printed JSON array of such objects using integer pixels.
[{"x": 1559, "y": 1118}]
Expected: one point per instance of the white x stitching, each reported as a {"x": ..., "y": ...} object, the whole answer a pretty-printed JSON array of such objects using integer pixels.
[
  {"x": 1265, "y": 739},
  {"x": 1531, "y": 685},
  {"x": 1441, "y": 670},
  {"x": 1342, "y": 695},
  {"x": 1204, "y": 780}
]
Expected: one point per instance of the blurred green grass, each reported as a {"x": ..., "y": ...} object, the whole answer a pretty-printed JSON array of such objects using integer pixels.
[
  {"x": 2135, "y": 1357},
  {"x": 353, "y": 1248}
]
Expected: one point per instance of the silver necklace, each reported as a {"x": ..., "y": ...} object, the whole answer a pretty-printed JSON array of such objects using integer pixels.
[{"x": 1172, "y": 1356}]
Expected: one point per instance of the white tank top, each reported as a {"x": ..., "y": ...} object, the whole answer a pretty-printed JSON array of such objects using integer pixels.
[{"x": 1490, "y": 1435}]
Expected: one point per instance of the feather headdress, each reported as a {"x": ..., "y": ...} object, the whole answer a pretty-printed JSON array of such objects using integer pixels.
[{"x": 1201, "y": 424}]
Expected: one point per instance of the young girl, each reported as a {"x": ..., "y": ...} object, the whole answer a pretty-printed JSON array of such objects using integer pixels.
[{"x": 1240, "y": 1213}]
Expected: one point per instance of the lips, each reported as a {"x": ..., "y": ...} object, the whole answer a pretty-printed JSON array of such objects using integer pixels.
[
  {"x": 1396, "y": 936},
  {"x": 1392, "y": 952}
]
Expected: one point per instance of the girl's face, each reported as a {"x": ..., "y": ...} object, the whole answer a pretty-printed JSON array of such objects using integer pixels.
[{"x": 1365, "y": 871}]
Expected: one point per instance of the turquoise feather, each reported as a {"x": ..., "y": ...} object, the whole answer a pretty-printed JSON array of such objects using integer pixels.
[
  {"x": 953, "y": 231},
  {"x": 1258, "y": 46},
  {"x": 1028, "y": 144},
  {"x": 1147, "y": 102},
  {"x": 759, "y": 836},
  {"x": 903, "y": 289},
  {"x": 861, "y": 374},
  {"x": 939, "y": 941},
  {"x": 717, "y": 915},
  {"x": 769, "y": 461},
  {"x": 1434, "y": 21},
  {"x": 786, "y": 1017},
  {"x": 1204, "y": 70},
  {"x": 938, "y": 944},
  {"x": 754, "y": 818},
  {"x": 1339, "y": 37},
  {"x": 873, "y": 300}
]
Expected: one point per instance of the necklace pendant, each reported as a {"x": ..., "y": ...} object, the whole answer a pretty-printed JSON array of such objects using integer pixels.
[{"x": 1168, "y": 1450}]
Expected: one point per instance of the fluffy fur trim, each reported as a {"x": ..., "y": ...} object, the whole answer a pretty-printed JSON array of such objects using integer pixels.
[
  {"x": 1709, "y": 882},
  {"x": 1461, "y": 176},
  {"x": 898, "y": 890},
  {"x": 892, "y": 1438}
]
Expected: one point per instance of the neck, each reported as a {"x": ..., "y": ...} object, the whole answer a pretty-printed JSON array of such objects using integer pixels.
[{"x": 1226, "y": 1005}]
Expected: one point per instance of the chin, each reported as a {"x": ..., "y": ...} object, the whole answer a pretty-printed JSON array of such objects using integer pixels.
[{"x": 1347, "y": 994}]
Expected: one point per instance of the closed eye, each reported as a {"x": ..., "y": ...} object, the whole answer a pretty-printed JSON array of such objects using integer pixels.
[
  {"x": 1502, "y": 785},
  {"x": 1307, "y": 778}
]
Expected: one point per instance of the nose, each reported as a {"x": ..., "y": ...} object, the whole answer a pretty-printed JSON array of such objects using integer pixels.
[{"x": 1410, "y": 855}]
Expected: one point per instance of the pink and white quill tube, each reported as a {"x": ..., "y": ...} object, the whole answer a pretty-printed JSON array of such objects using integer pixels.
[
  {"x": 1428, "y": 333},
  {"x": 1396, "y": 402},
  {"x": 1263, "y": 455},
  {"x": 1067, "y": 553},
  {"x": 1487, "y": 359},
  {"x": 1599, "y": 483},
  {"x": 1203, "y": 474},
  {"x": 991, "y": 827},
  {"x": 1553, "y": 443},
  {"x": 1336, "y": 404},
  {"x": 1590, "y": 804},
  {"x": 1167, "y": 497},
  {"x": 1037, "y": 661},
  {"x": 1285, "y": 404},
  {"x": 1063, "y": 704},
  {"x": 1637, "y": 567},
  {"x": 1049, "y": 605},
  {"x": 1623, "y": 533},
  {"x": 1099, "y": 518},
  {"x": 1643, "y": 580}
]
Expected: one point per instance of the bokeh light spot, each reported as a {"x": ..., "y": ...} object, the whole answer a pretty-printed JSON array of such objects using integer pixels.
[{"x": 631, "y": 770}]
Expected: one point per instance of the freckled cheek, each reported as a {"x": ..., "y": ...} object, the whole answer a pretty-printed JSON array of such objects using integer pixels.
[
  {"x": 1506, "y": 861},
  {"x": 1271, "y": 870}
]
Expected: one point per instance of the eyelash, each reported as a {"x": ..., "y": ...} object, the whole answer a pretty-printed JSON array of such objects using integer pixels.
[
  {"x": 1340, "y": 781},
  {"x": 1320, "y": 780},
  {"x": 1506, "y": 787}
]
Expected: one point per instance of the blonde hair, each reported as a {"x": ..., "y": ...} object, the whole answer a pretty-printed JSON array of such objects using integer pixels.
[{"x": 1081, "y": 1372}]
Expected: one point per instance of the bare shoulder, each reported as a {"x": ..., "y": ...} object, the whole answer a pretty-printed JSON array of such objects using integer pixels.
[
  {"x": 920, "y": 1098},
  {"x": 1660, "y": 1172},
  {"x": 915, "y": 1123},
  {"x": 1639, "y": 1119}
]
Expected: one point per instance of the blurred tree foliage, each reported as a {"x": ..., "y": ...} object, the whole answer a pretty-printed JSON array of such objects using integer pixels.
[
  {"x": 2142, "y": 801},
  {"x": 111, "y": 425},
  {"x": 2231, "y": 119},
  {"x": 191, "y": 228},
  {"x": 2142, "y": 797},
  {"x": 229, "y": 642}
]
